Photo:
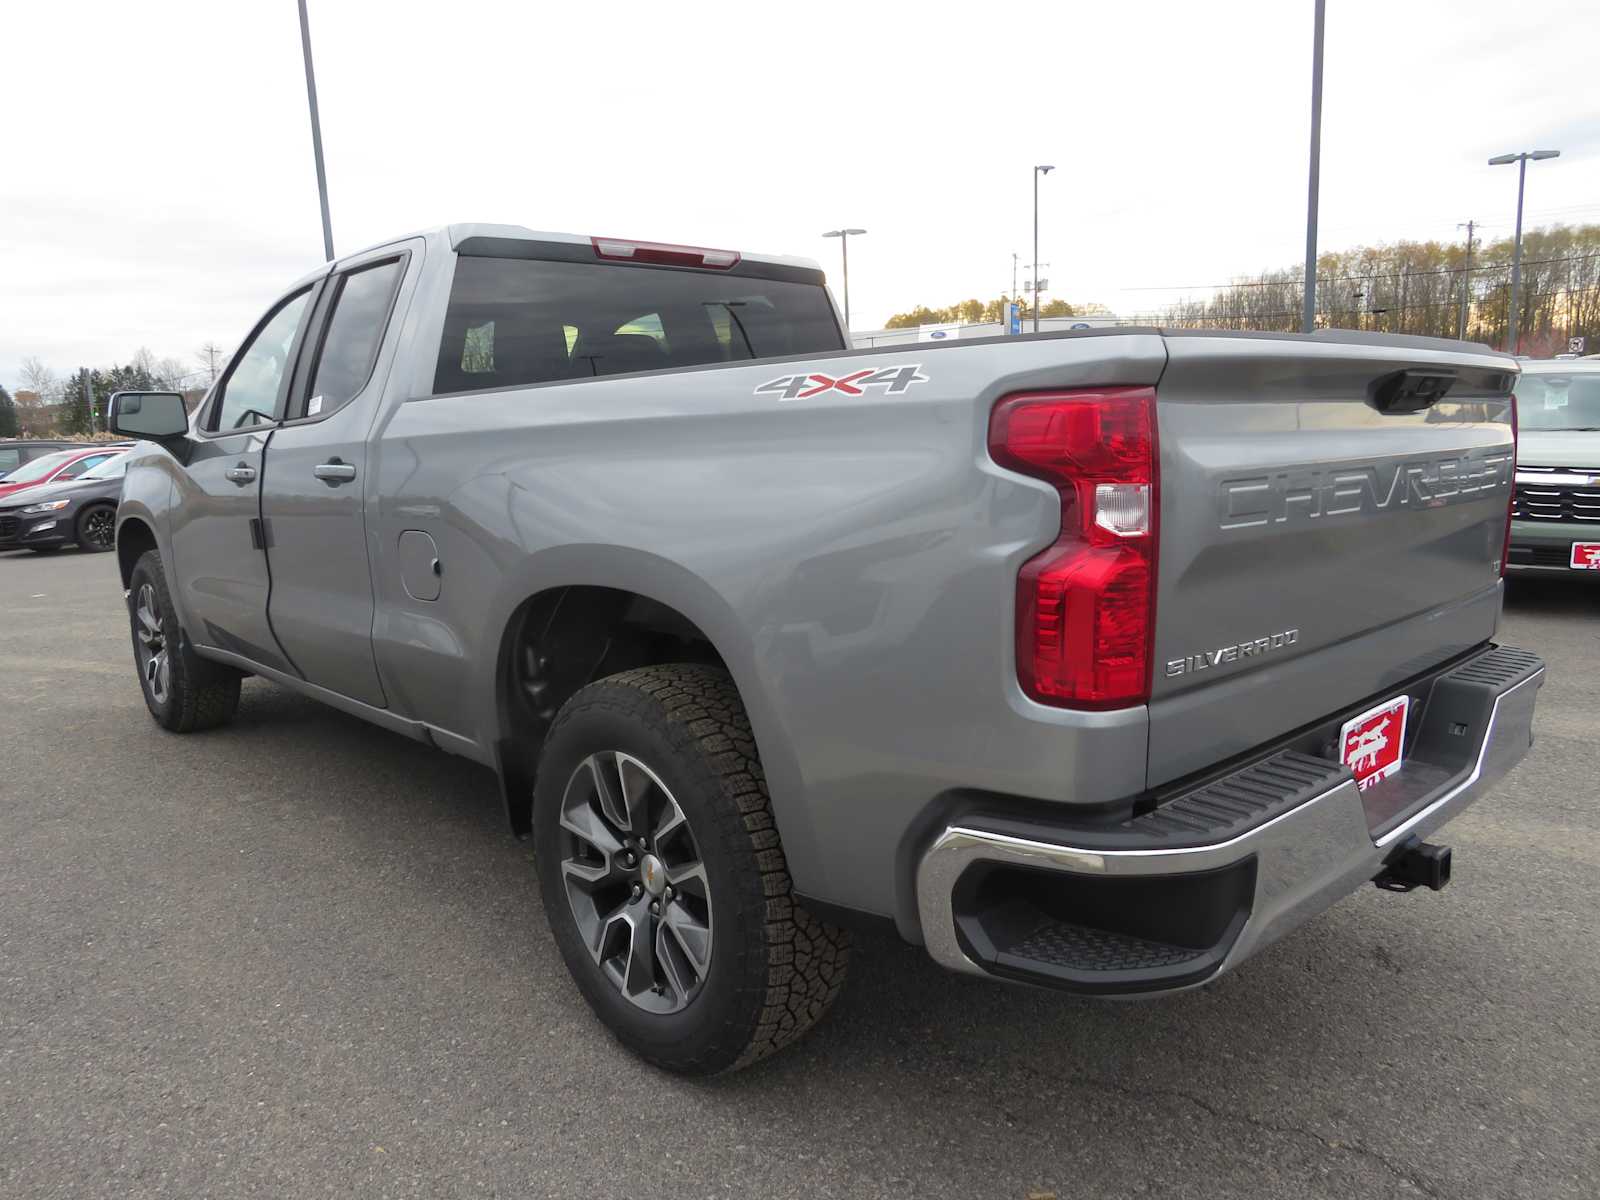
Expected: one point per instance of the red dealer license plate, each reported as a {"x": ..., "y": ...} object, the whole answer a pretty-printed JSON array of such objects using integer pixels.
[
  {"x": 1370, "y": 745},
  {"x": 1585, "y": 556}
]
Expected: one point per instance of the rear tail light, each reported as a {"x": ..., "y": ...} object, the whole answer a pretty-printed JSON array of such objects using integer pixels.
[
  {"x": 1086, "y": 605},
  {"x": 664, "y": 255},
  {"x": 1511, "y": 499}
]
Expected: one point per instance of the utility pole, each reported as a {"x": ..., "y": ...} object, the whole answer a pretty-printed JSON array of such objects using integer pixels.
[
  {"x": 1038, "y": 171},
  {"x": 316, "y": 132},
  {"x": 1310, "y": 314},
  {"x": 1400, "y": 312},
  {"x": 210, "y": 352},
  {"x": 1466, "y": 283},
  {"x": 88, "y": 397},
  {"x": 1013, "y": 275}
]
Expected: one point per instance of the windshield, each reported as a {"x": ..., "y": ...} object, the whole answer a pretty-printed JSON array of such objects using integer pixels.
[
  {"x": 112, "y": 468},
  {"x": 40, "y": 468},
  {"x": 1559, "y": 401}
]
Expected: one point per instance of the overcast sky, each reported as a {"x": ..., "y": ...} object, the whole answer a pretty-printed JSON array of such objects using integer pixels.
[{"x": 158, "y": 187}]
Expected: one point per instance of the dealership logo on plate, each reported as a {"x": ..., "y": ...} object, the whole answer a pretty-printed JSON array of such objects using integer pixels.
[
  {"x": 1585, "y": 556},
  {"x": 1371, "y": 744}
]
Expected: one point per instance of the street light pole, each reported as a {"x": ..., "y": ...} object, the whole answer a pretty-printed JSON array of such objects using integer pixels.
[
  {"x": 1513, "y": 315},
  {"x": 1466, "y": 284},
  {"x": 844, "y": 236},
  {"x": 316, "y": 132},
  {"x": 1037, "y": 171},
  {"x": 1309, "y": 316}
]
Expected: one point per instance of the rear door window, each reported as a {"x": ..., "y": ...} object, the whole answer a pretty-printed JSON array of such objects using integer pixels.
[
  {"x": 516, "y": 321},
  {"x": 354, "y": 332}
]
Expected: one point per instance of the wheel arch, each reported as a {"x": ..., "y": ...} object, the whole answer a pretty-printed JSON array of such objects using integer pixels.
[
  {"x": 135, "y": 537},
  {"x": 613, "y": 609}
]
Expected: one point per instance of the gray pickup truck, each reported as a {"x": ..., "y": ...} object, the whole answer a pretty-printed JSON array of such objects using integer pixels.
[{"x": 1094, "y": 660}]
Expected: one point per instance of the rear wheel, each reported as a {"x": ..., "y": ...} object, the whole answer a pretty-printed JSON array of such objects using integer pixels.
[
  {"x": 663, "y": 878},
  {"x": 183, "y": 691},
  {"x": 97, "y": 528}
]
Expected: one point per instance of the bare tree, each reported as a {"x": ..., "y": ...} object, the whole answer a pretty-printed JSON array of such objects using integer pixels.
[{"x": 39, "y": 379}]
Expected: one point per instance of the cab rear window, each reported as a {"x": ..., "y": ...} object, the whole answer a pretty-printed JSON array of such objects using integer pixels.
[{"x": 518, "y": 321}]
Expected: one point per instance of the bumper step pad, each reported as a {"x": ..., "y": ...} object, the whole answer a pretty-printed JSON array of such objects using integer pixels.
[{"x": 1079, "y": 948}]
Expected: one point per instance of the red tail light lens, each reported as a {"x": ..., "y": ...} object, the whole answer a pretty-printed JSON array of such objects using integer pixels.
[
  {"x": 662, "y": 254},
  {"x": 1086, "y": 605},
  {"x": 1511, "y": 499}
]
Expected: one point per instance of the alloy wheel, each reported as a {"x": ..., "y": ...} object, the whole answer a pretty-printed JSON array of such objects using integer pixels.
[
  {"x": 100, "y": 528},
  {"x": 150, "y": 642},
  {"x": 635, "y": 882}
]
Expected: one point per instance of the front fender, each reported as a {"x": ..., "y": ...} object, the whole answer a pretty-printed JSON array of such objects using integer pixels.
[{"x": 147, "y": 493}]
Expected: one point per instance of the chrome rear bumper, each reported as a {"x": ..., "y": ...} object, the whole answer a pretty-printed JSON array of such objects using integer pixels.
[{"x": 1304, "y": 859}]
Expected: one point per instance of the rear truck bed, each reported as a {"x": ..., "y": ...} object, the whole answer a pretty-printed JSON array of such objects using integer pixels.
[{"x": 1290, "y": 551}]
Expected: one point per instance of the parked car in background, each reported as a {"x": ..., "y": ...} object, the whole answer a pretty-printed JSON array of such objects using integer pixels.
[
  {"x": 14, "y": 452},
  {"x": 1555, "y": 517},
  {"x": 81, "y": 511},
  {"x": 59, "y": 467}
]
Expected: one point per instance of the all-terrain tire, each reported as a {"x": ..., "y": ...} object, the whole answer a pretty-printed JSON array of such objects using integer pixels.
[
  {"x": 194, "y": 693},
  {"x": 774, "y": 968}
]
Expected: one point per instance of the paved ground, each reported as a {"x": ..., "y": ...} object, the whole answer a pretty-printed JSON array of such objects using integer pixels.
[{"x": 300, "y": 957}]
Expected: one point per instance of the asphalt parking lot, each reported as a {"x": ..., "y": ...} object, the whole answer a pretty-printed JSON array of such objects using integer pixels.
[{"x": 301, "y": 957}]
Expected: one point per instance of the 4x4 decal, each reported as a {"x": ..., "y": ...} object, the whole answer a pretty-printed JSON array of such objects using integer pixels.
[{"x": 893, "y": 381}]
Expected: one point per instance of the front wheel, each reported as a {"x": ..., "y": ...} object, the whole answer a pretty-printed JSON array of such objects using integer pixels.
[
  {"x": 663, "y": 877},
  {"x": 183, "y": 691},
  {"x": 97, "y": 528}
]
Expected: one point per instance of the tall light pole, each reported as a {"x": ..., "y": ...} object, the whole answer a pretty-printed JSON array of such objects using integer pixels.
[
  {"x": 1309, "y": 316},
  {"x": 1037, "y": 171},
  {"x": 316, "y": 132},
  {"x": 1513, "y": 315},
  {"x": 844, "y": 236}
]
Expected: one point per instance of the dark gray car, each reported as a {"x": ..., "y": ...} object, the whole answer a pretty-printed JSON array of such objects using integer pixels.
[{"x": 81, "y": 512}]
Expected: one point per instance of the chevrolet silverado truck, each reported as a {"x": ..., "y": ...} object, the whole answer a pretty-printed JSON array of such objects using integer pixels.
[{"x": 1094, "y": 660}]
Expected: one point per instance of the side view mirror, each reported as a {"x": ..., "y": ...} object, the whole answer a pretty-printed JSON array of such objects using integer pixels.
[{"x": 151, "y": 416}]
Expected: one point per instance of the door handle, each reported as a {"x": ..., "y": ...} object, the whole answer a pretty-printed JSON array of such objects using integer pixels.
[
  {"x": 241, "y": 474},
  {"x": 333, "y": 472}
]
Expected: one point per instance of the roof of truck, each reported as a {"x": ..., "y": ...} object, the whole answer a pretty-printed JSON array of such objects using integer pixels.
[{"x": 454, "y": 235}]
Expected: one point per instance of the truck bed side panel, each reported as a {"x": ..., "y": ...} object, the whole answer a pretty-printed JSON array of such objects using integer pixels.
[{"x": 854, "y": 557}]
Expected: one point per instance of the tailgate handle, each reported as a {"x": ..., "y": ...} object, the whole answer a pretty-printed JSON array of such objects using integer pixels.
[{"x": 1409, "y": 391}]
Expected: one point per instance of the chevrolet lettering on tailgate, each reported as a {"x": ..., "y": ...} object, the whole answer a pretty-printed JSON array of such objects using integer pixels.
[{"x": 1310, "y": 494}]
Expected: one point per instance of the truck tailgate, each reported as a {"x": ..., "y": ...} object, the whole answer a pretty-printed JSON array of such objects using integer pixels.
[{"x": 1328, "y": 529}]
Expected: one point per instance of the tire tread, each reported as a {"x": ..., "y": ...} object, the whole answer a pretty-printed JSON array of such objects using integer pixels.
[
  {"x": 806, "y": 960},
  {"x": 205, "y": 695}
]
